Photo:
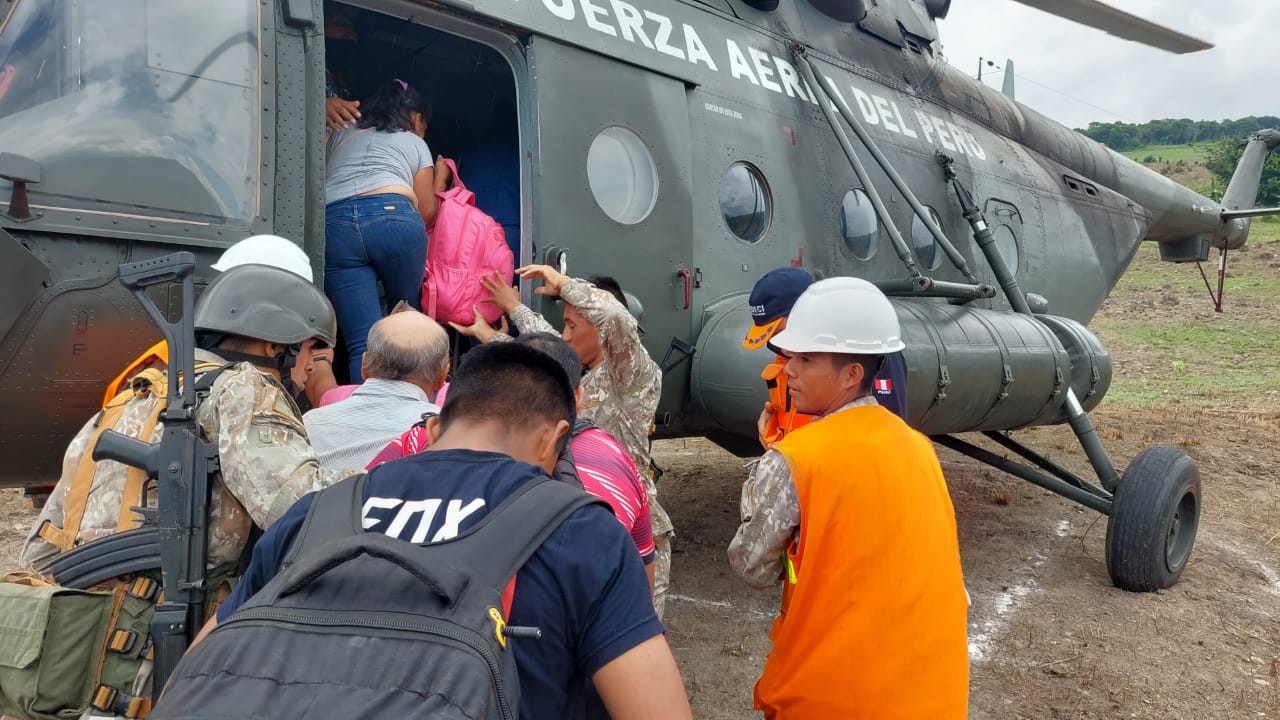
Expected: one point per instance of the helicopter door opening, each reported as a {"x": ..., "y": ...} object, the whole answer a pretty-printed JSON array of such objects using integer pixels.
[{"x": 470, "y": 85}]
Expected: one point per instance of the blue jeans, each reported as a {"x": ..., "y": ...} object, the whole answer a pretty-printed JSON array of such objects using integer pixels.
[{"x": 370, "y": 238}]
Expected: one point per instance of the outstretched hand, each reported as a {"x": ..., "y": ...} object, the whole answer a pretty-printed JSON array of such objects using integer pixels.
[
  {"x": 480, "y": 329},
  {"x": 339, "y": 113},
  {"x": 500, "y": 292},
  {"x": 553, "y": 280}
]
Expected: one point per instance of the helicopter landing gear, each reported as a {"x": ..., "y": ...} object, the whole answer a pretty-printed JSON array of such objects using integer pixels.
[
  {"x": 1154, "y": 519},
  {"x": 1154, "y": 511}
]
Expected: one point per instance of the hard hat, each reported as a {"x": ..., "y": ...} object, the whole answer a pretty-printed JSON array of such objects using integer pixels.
[
  {"x": 266, "y": 303},
  {"x": 270, "y": 250},
  {"x": 842, "y": 315}
]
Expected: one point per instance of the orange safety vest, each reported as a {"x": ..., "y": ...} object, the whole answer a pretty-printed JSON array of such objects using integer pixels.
[
  {"x": 787, "y": 418},
  {"x": 874, "y": 606},
  {"x": 156, "y": 356}
]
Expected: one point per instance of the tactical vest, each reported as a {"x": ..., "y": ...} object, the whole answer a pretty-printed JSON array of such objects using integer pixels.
[{"x": 73, "y": 636}]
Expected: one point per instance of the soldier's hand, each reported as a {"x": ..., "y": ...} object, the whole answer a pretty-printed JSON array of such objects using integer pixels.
[
  {"x": 479, "y": 328},
  {"x": 553, "y": 280},
  {"x": 339, "y": 113},
  {"x": 500, "y": 292},
  {"x": 763, "y": 422}
]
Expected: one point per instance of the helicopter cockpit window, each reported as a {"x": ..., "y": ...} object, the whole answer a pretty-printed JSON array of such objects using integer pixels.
[
  {"x": 1007, "y": 244},
  {"x": 147, "y": 107},
  {"x": 622, "y": 175},
  {"x": 858, "y": 224},
  {"x": 926, "y": 247},
  {"x": 745, "y": 202}
]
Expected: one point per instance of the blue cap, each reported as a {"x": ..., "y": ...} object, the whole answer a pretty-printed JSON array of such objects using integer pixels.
[{"x": 771, "y": 300}]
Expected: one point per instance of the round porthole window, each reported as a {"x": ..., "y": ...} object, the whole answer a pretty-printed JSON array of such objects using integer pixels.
[
  {"x": 622, "y": 175},
  {"x": 858, "y": 224},
  {"x": 745, "y": 202},
  {"x": 1007, "y": 244},
  {"x": 923, "y": 242}
]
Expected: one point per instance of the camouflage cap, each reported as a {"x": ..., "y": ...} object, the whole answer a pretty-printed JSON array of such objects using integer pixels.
[{"x": 266, "y": 303}]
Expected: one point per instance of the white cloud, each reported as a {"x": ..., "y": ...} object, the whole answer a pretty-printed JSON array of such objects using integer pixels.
[{"x": 1076, "y": 74}]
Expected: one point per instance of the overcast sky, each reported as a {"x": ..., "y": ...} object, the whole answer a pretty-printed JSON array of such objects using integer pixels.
[{"x": 1099, "y": 77}]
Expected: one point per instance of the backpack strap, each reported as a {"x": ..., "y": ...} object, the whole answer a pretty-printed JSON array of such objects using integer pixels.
[
  {"x": 151, "y": 382},
  {"x": 566, "y": 469},
  {"x": 334, "y": 514},
  {"x": 136, "y": 478}
]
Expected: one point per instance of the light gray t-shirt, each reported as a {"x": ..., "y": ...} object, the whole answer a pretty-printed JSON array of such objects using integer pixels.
[{"x": 363, "y": 159}]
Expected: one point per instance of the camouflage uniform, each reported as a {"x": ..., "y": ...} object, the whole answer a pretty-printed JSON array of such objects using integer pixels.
[
  {"x": 620, "y": 395},
  {"x": 267, "y": 464},
  {"x": 770, "y": 517}
]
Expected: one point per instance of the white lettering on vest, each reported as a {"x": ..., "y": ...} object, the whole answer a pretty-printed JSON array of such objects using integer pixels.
[
  {"x": 453, "y": 517},
  {"x": 426, "y": 512},
  {"x": 375, "y": 503}
]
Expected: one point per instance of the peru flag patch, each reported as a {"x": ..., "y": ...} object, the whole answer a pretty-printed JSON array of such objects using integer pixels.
[{"x": 884, "y": 385}]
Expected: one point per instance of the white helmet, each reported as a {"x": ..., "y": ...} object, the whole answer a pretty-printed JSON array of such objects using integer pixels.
[
  {"x": 842, "y": 315},
  {"x": 270, "y": 250}
]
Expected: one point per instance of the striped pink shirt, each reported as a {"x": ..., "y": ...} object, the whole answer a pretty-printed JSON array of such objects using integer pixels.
[{"x": 604, "y": 466}]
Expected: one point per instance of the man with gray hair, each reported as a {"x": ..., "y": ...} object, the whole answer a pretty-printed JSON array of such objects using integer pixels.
[{"x": 405, "y": 362}]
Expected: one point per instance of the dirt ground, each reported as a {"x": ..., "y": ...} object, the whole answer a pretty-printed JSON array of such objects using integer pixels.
[{"x": 1049, "y": 635}]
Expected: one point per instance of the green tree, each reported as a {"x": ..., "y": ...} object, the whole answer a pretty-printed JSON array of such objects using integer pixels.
[{"x": 1224, "y": 155}]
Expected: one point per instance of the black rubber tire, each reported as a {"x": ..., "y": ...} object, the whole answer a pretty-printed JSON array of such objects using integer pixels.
[{"x": 1154, "y": 519}]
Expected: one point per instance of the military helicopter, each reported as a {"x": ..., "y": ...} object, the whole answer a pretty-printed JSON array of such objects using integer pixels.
[{"x": 684, "y": 146}]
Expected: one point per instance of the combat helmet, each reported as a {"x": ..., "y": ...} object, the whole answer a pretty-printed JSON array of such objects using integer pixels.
[{"x": 266, "y": 303}]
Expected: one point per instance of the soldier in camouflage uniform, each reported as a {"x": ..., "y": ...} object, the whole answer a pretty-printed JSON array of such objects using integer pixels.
[
  {"x": 259, "y": 322},
  {"x": 621, "y": 387}
]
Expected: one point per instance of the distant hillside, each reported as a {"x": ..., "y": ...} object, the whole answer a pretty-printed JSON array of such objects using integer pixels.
[
  {"x": 1184, "y": 164},
  {"x": 1123, "y": 137}
]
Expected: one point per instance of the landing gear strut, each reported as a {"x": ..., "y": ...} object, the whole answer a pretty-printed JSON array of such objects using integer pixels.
[{"x": 1154, "y": 511}]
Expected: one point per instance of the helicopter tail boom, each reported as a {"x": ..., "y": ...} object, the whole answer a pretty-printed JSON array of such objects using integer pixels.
[{"x": 1242, "y": 191}]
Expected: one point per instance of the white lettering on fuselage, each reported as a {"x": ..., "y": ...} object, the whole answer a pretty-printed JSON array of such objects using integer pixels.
[{"x": 623, "y": 20}]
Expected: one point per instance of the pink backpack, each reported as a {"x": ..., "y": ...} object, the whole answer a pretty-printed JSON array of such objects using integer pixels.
[{"x": 463, "y": 245}]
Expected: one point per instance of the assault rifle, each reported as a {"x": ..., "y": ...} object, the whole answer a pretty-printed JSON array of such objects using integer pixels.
[{"x": 174, "y": 536}]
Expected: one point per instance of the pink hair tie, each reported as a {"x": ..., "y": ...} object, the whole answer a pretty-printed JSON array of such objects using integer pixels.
[{"x": 404, "y": 86}]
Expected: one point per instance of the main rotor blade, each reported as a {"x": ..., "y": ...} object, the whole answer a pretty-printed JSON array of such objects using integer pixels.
[{"x": 1120, "y": 23}]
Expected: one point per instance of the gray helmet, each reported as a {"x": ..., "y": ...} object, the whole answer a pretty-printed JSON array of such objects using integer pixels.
[{"x": 266, "y": 303}]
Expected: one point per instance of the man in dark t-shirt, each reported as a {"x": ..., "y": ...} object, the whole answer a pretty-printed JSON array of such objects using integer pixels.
[{"x": 507, "y": 416}]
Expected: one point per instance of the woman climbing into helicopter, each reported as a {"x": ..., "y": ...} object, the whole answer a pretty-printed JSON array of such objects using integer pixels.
[{"x": 380, "y": 196}]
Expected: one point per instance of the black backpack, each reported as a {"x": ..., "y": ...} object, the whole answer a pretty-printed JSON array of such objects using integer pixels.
[{"x": 360, "y": 624}]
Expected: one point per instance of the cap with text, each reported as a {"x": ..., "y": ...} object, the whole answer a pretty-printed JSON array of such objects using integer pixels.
[{"x": 771, "y": 301}]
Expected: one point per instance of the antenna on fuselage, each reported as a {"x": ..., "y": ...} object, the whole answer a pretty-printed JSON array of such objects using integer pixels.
[{"x": 1007, "y": 87}]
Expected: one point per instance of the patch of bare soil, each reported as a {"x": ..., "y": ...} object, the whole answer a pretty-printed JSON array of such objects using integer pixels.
[{"x": 1050, "y": 637}]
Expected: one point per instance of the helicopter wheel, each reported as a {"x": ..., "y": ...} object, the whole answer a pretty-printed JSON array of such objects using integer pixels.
[{"x": 1154, "y": 519}]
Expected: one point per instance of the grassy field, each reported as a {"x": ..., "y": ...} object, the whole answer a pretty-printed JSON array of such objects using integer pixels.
[
  {"x": 1193, "y": 153},
  {"x": 1170, "y": 347}
]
